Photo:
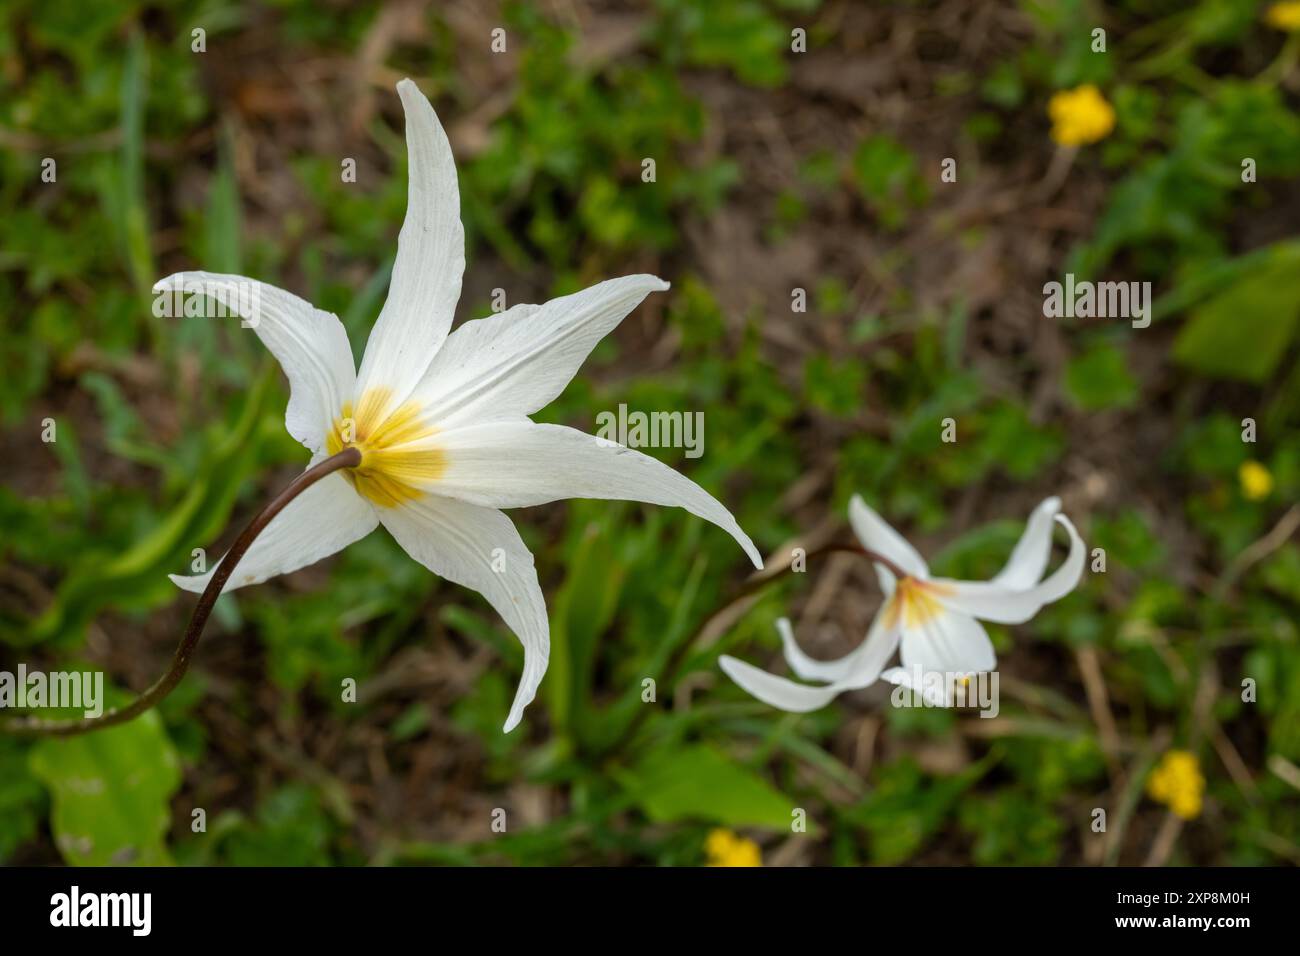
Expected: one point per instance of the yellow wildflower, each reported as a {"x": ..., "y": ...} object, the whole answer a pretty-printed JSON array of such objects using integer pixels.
[
  {"x": 1080, "y": 116},
  {"x": 725, "y": 848},
  {"x": 1177, "y": 782},
  {"x": 1284, "y": 16},
  {"x": 1256, "y": 480}
]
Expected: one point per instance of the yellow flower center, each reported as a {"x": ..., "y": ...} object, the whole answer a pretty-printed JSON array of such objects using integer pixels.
[
  {"x": 396, "y": 464},
  {"x": 914, "y": 602}
]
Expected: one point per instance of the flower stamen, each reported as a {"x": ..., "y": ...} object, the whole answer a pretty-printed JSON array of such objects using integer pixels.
[
  {"x": 397, "y": 462},
  {"x": 914, "y": 602}
]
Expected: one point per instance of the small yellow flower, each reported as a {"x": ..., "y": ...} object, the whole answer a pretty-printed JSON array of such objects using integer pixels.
[
  {"x": 1080, "y": 116},
  {"x": 1256, "y": 480},
  {"x": 1177, "y": 783},
  {"x": 1284, "y": 16},
  {"x": 725, "y": 848}
]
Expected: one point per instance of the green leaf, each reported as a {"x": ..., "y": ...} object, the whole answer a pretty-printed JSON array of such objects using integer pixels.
[
  {"x": 738, "y": 34},
  {"x": 122, "y": 193},
  {"x": 292, "y": 829},
  {"x": 907, "y": 807},
  {"x": 699, "y": 783},
  {"x": 1100, "y": 379},
  {"x": 135, "y": 577},
  {"x": 223, "y": 224},
  {"x": 1243, "y": 331},
  {"x": 584, "y": 609},
  {"x": 1012, "y": 827},
  {"x": 886, "y": 174},
  {"x": 21, "y": 798},
  {"x": 111, "y": 790}
]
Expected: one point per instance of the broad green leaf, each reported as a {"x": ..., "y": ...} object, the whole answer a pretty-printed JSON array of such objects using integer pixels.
[
  {"x": 1243, "y": 331},
  {"x": 697, "y": 782},
  {"x": 111, "y": 790}
]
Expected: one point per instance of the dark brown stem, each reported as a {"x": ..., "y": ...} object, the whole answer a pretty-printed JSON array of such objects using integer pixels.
[{"x": 347, "y": 458}]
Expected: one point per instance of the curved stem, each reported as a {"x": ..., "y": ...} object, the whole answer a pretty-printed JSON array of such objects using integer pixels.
[{"x": 164, "y": 685}]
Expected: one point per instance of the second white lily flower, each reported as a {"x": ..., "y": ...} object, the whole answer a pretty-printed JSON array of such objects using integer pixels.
[
  {"x": 441, "y": 420},
  {"x": 934, "y": 623}
]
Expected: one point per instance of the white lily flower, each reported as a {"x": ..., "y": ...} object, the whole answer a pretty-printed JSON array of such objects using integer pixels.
[
  {"x": 934, "y": 623},
  {"x": 441, "y": 420}
]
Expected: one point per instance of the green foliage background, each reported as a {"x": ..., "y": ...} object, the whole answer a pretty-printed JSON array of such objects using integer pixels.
[{"x": 171, "y": 431}]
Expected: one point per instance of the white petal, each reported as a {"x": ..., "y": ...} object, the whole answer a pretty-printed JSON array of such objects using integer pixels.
[
  {"x": 860, "y": 668},
  {"x": 878, "y": 536},
  {"x": 325, "y": 518},
  {"x": 934, "y": 692},
  {"x": 1028, "y": 559},
  {"x": 807, "y": 667},
  {"x": 779, "y": 692},
  {"x": 996, "y": 602},
  {"x": 430, "y": 260},
  {"x": 514, "y": 363},
  {"x": 946, "y": 642},
  {"x": 518, "y": 463},
  {"x": 310, "y": 345},
  {"x": 456, "y": 541}
]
